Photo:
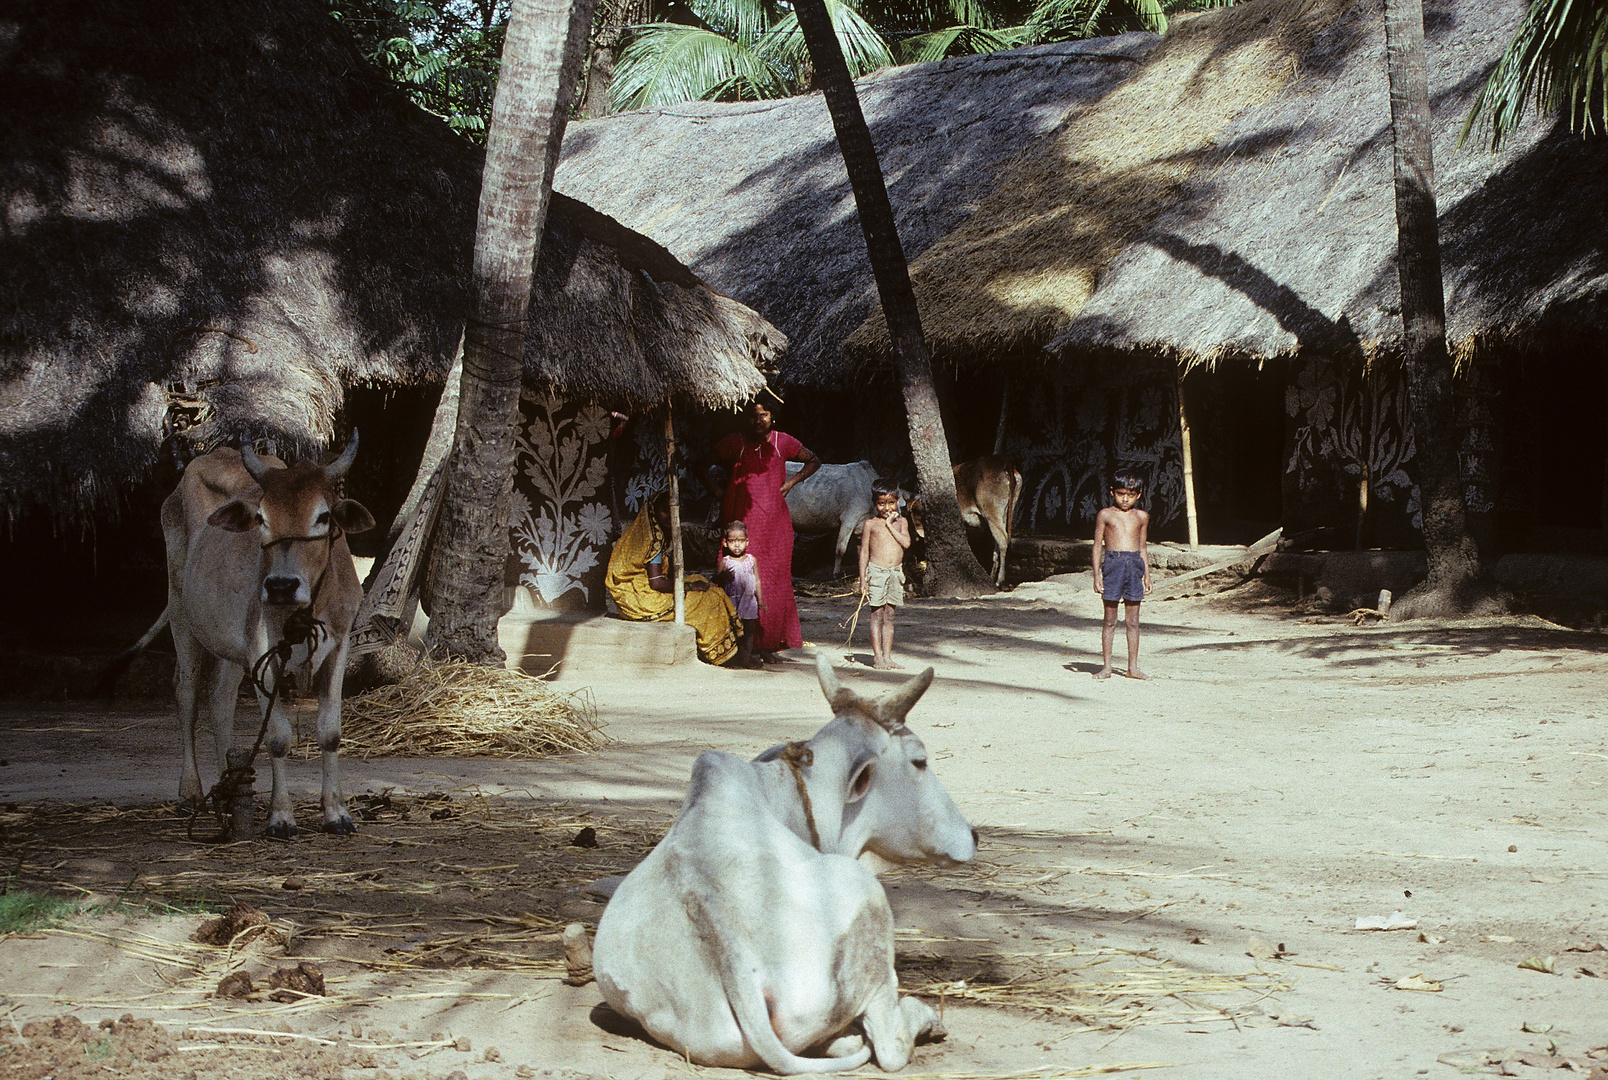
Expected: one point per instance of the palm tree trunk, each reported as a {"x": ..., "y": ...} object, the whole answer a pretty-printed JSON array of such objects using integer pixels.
[
  {"x": 1455, "y": 583},
  {"x": 953, "y": 569},
  {"x": 527, "y": 125}
]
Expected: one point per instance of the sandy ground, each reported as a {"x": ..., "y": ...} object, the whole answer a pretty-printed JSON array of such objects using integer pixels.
[{"x": 1215, "y": 834}]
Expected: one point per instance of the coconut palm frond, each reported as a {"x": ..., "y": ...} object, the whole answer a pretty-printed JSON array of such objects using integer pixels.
[
  {"x": 951, "y": 41},
  {"x": 745, "y": 20},
  {"x": 1151, "y": 15},
  {"x": 1558, "y": 59},
  {"x": 1064, "y": 20},
  {"x": 863, "y": 48},
  {"x": 974, "y": 13},
  {"x": 666, "y": 63}
]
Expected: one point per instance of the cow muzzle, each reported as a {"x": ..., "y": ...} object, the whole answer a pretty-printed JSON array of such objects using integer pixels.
[{"x": 281, "y": 589}]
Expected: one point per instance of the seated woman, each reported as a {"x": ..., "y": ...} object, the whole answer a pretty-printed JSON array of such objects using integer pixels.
[{"x": 641, "y": 576}]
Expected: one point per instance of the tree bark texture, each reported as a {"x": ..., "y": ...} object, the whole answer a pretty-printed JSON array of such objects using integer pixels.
[
  {"x": 1454, "y": 564},
  {"x": 534, "y": 89},
  {"x": 614, "y": 18},
  {"x": 953, "y": 570},
  {"x": 598, "y": 100}
]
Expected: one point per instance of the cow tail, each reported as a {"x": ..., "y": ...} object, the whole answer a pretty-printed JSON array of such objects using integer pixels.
[
  {"x": 746, "y": 996},
  {"x": 1010, "y": 507},
  {"x": 106, "y": 685}
]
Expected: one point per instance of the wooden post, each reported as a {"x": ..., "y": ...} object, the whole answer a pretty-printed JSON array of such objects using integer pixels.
[
  {"x": 679, "y": 587},
  {"x": 1004, "y": 407},
  {"x": 1189, "y": 467},
  {"x": 1363, "y": 485},
  {"x": 1362, "y": 504},
  {"x": 241, "y": 799}
]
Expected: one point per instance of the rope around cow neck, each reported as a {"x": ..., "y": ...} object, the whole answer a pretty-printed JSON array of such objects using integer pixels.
[
  {"x": 799, "y": 757},
  {"x": 301, "y": 628}
]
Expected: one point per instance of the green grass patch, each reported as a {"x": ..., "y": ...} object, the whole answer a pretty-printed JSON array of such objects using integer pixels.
[{"x": 21, "y": 910}]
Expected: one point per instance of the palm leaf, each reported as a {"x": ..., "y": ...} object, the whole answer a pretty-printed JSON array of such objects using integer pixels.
[
  {"x": 951, "y": 41},
  {"x": 666, "y": 63},
  {"x": 863, "y": 48},
  {"x": 1558, "y": 58},
  {"x": 1151, "y": 15},
  {"x": 744, "y": 20}
]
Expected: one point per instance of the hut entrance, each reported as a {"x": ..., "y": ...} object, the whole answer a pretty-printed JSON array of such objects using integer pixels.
[
  {"x": 1556, "y": 453},
  {"x": 1239, "y": 451}
]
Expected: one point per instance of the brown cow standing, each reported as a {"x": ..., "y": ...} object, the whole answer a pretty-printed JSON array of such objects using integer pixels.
[
  {"x": 986, "y": 489},
  {"x": 249, "y": 541}
]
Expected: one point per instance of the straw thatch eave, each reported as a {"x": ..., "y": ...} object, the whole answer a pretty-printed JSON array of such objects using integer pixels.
[
  {"x": 753, "y": 196},
  {"x": 1017, "y": 272},
  {"x": 215, "y": 214},
  {"x": 1288, "y": 243},
  {"x": 1259, "y": 220}
]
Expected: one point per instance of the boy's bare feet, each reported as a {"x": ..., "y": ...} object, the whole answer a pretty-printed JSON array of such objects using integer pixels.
[
  {"x": 895, "y": 665},
  {"x": 1135, "y": 673},
  {"x": 1103, "y": 673}
]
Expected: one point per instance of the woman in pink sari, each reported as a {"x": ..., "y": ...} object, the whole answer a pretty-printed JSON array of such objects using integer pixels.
[{"x": 757, "y": 494}]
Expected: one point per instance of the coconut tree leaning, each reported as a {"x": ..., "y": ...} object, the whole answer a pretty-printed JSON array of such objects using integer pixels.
[
  {"x": 953, "y": 569},
  {"x": 1456, "y": 583},
  {"x": 540, "y": 60}
]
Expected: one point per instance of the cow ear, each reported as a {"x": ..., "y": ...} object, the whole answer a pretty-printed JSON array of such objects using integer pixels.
[
  {"x": 861, "y": 782},
  {"x": 892, "y": 707},
  {"x": 234, "y": 516},
  {"x": 352, "y": 516}
]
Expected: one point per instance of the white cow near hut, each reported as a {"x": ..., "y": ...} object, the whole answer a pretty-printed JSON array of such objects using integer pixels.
[
  {"x": 752, "y": 935},
  {"x": 836, "y": 498}
]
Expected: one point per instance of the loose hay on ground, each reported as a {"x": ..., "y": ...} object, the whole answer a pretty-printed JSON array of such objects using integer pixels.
[
  {"x": 460, "y": 881},
  {"x": 456, "y": 709}
]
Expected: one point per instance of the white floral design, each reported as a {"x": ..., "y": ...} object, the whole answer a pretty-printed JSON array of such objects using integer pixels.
[
  {"x": 559, "y": 530},
  {"x": 1359, "y": 425},
  {"x": 1085, "y": 423}
]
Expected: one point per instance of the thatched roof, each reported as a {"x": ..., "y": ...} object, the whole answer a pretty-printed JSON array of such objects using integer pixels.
[
  {"x": 753, "y": 196},
  {"x": 1234, "y": 199},
  {"x": 216, "y": 205}
]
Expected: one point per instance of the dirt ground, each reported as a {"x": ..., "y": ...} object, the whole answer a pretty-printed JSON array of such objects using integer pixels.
[{"x": 1169, "y": 882}]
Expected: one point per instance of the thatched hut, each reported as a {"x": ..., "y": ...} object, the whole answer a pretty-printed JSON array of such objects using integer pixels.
[
  {"x": 1230, "y": 206},
  {"x": 753, "y": 195},
  {"x": 221, "y": 223}
]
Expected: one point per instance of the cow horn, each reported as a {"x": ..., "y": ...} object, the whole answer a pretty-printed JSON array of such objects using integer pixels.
[
  {"x": 337, "y": 468},
  {"x": 892, "y": 708},
  {"x": 840, "y": 697},
  {"x": 256, "y": 466}
]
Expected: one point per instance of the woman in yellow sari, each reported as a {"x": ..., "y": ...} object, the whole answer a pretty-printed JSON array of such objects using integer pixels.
[{"x": 641, "y": 575}]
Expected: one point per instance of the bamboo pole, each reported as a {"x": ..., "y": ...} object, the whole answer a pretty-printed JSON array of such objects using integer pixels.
[
  {"x": 1004, "y": 407},
  {"x": 1362, "y": 504},
  {"x": 679, "y": 585},
  {"x": 1365, "y": 483},
  {"x": 1189, "y": 467}
]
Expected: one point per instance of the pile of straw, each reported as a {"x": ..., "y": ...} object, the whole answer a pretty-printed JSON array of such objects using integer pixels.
[{"x": 456, "y": 709}]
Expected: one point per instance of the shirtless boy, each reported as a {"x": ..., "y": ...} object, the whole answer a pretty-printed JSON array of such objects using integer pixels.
[
  {"x": 883, "y": 541},
  {"x": 1122, "y": 566}
]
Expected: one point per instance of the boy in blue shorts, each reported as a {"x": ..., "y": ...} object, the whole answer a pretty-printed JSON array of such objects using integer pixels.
[{"x": 1122, "y": 566}]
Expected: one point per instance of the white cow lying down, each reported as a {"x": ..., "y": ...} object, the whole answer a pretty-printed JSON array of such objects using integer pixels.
[{"x": 739, "y": 942}]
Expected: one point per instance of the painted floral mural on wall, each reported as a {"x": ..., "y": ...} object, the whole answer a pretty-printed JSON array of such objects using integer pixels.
[
  {"x": 560, "y": 526},
  {"x": 1348, "y": 425},
  {"x": 1082, "y": 424}
]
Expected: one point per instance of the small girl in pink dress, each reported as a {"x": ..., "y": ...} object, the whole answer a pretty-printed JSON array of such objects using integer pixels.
[{"x": 738, "y": 573}]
